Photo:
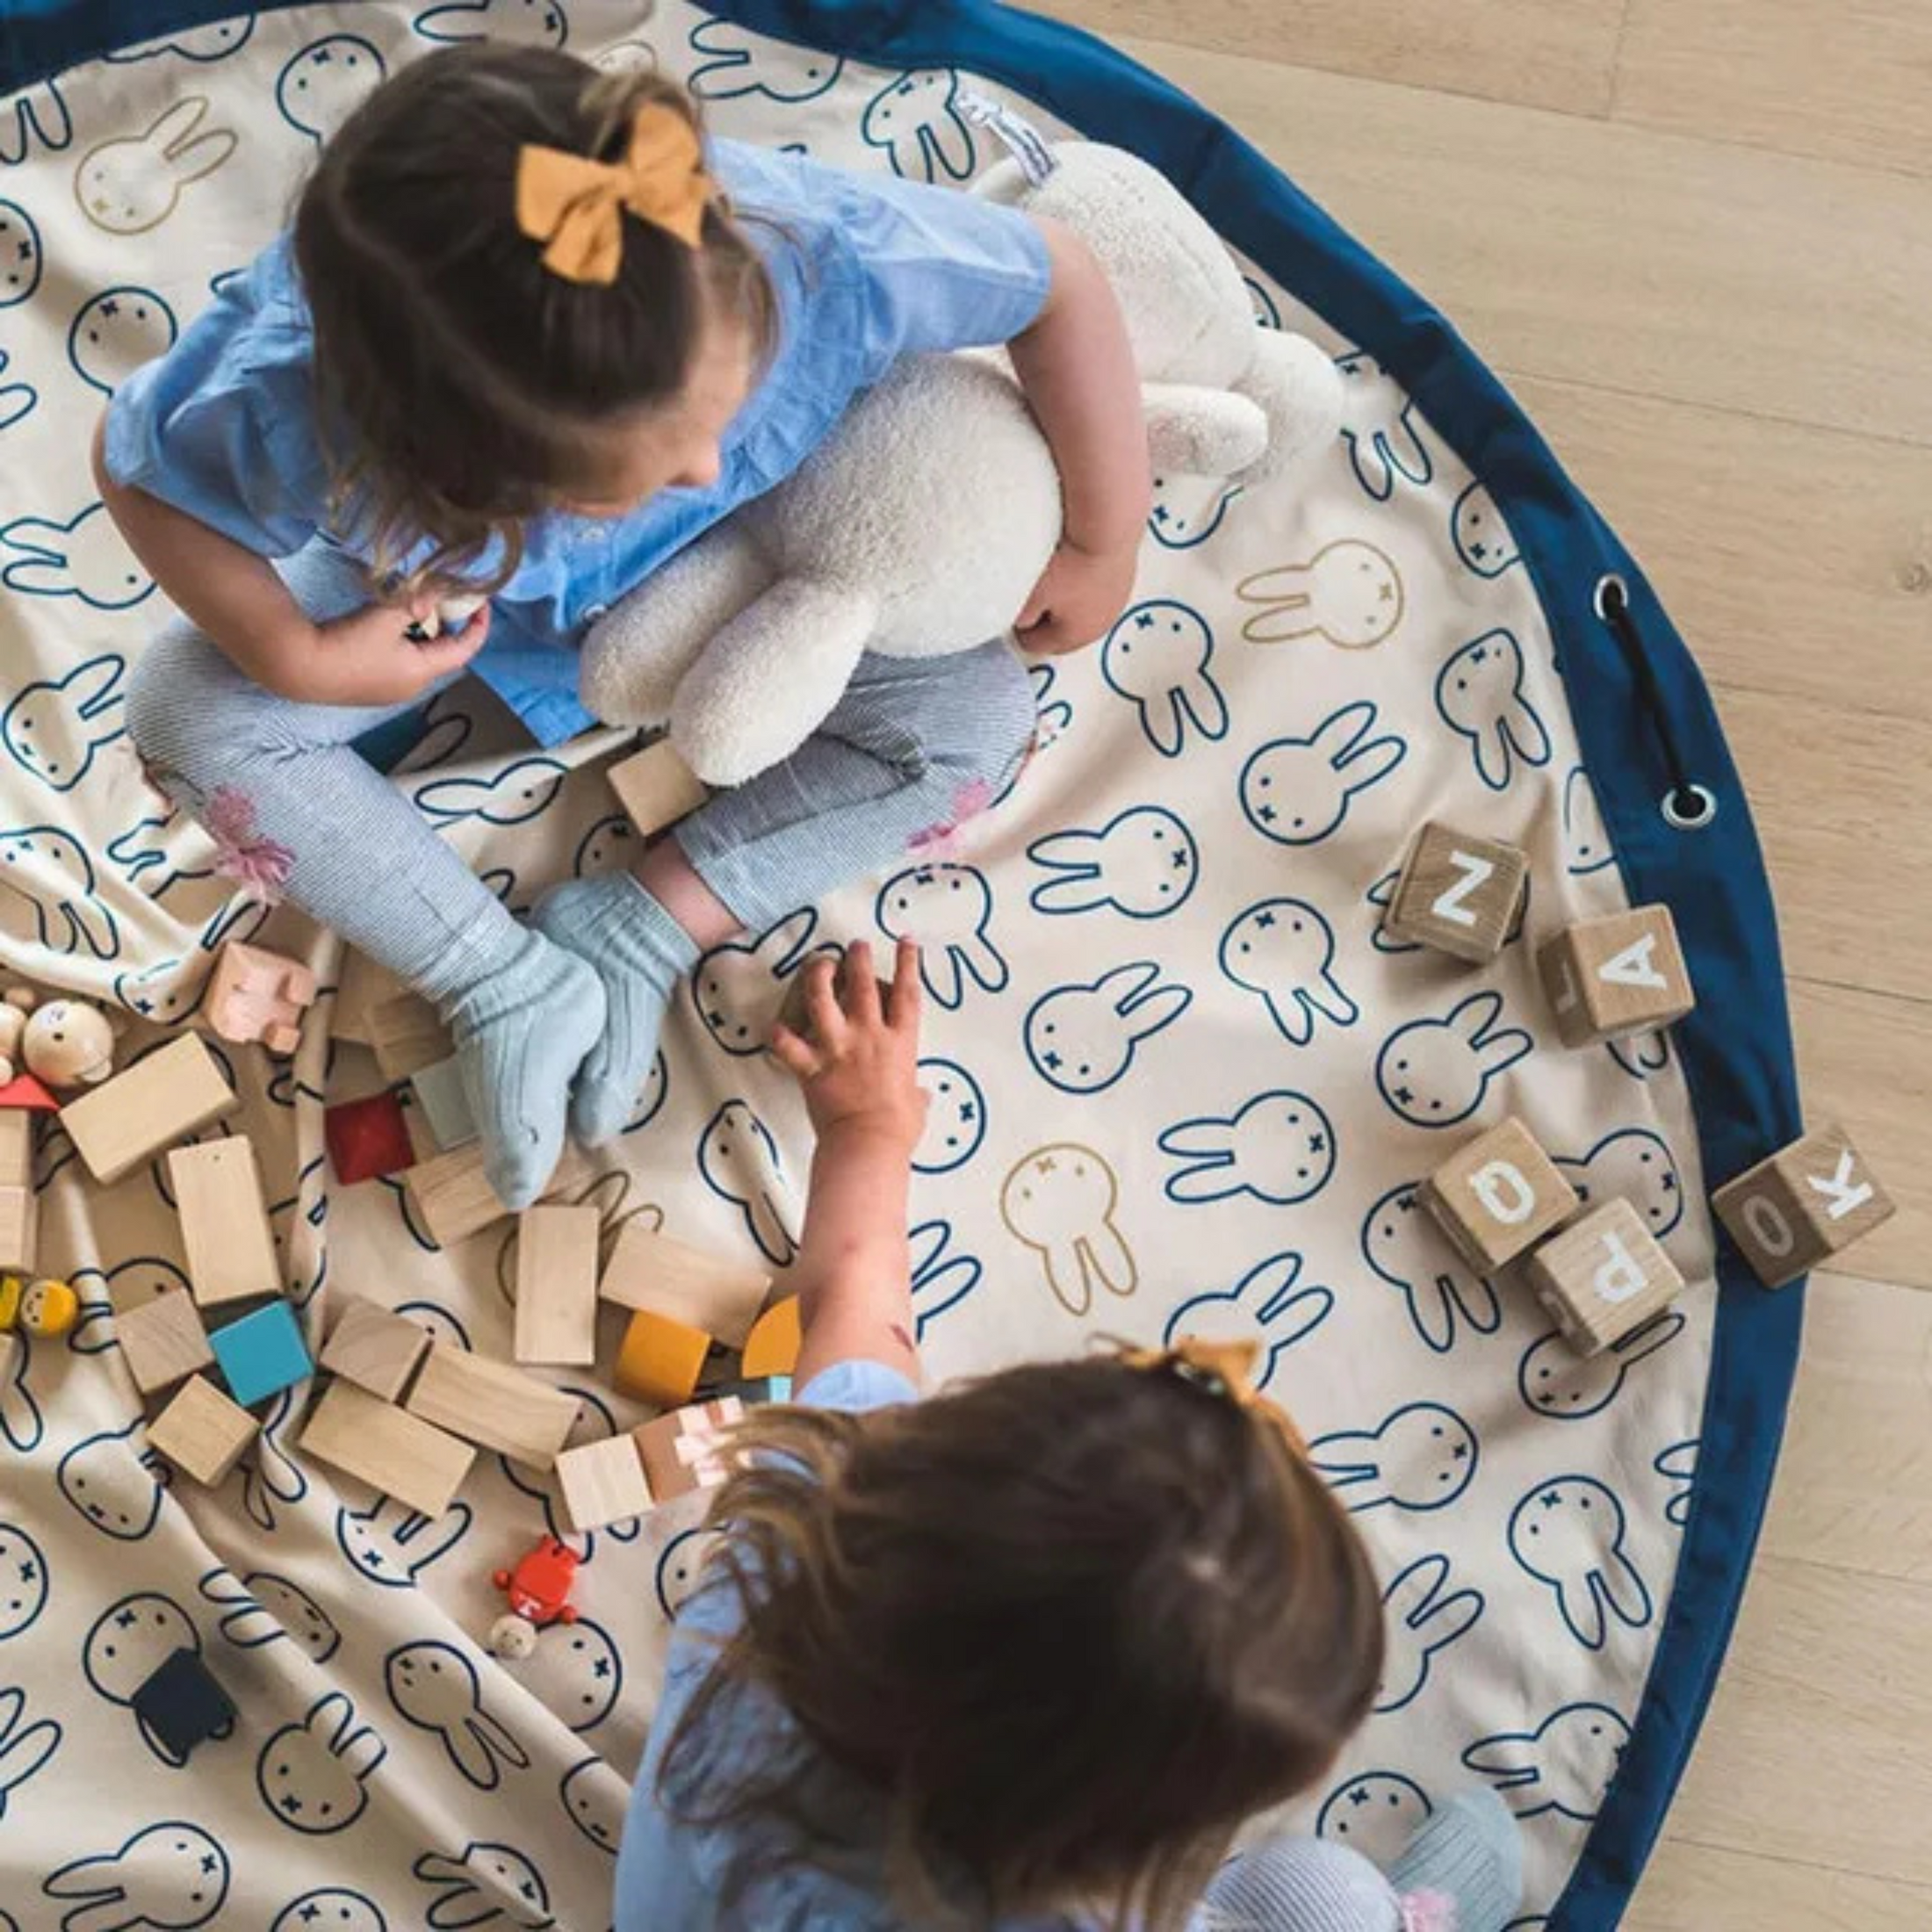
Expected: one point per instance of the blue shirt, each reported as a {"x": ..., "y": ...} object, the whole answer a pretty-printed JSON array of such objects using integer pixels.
[{"x": 866, "y": 270}]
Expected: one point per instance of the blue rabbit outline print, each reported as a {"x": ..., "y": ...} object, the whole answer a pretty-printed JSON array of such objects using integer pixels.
[
  {"x": 1298, "y": 791},
  {"x": 102, "y": 353},
  {"x": 1142, "y": 863},
  {"x": 1404, "y": 1246},
  {"x": 1480, "y": 696},
  {"x": 21, "y": 261},
  {"x": 1279, "y": 1147},
  {"x": 1436, "y": 1072},
  {"x": 1554, "y": 1380},
  {"x": 915, "y": 120},
  {"x": 170, "y": 1874},
  {"x": 1084, "y": 1037},
  {"x": 1568, "y": 1533},
  {"x": 52, "y": 728},
  {"x": 1536, "y": 1772},
  {"x": 1170, "y": 682},
  {"x": 1434, "y": 1459},
  {"x": 738, "y": 63},
  {"x": 1423, "y": 1616},
  {"x": 17, "y": 399}
]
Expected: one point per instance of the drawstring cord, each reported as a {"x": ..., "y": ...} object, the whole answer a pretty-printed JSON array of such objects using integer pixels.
[{"x": 1688, "y": 806}]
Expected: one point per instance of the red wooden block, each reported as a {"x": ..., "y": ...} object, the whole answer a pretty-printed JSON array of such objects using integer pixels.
[
  {"x": 367, "y": 1138},
  {"x": 25, "y": 1092}
]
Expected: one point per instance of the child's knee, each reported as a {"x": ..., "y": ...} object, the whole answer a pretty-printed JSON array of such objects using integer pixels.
[{"x": 186, "y": 707}]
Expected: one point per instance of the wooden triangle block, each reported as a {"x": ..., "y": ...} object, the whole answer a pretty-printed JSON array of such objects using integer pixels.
[{"x": 25, "y": 1092}]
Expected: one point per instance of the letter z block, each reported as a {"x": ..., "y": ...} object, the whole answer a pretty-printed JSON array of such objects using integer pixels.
[
  {"x": 1603, "y": 1277},
  {"x": 1803, "y": 1205},
  {"x": 1458, "y": 894},
  {"x": 1498, "y": 1195}
]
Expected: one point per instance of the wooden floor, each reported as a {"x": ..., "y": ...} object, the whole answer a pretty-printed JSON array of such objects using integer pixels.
[{"x": 1695, "y": 237}]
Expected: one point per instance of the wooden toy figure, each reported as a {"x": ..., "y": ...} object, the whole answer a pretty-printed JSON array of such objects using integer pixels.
[
  {"x": 49, "y": 1308},
  {"x": 258, "y": 995},
  {"x": 539, "y": 1590},
  {"x": 11, "y": 1289},
  {"x": 68, "y": 1043}
]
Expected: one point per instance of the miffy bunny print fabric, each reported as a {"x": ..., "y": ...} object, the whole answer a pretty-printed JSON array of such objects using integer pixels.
[{"x": 1183, "y": 1081}]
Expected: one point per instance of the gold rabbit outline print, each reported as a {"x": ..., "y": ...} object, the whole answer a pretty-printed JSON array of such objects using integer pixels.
[
  {"x": 131, "y": 183},
  {"x": 1318, "y": 599},
  {"x": 1078, "y": 1249}
]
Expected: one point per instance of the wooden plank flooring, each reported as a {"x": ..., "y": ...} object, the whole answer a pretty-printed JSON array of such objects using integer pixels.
[{"x": 1696, "y": 238}]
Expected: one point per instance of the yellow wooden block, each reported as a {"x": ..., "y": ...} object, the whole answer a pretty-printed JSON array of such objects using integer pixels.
[
  {"x": 660, "y": 1359},
  {"x": 201, "y": 1431},
  {"x": 704, "y": 1291},
  {"x": 772, "y": 1347},
  {"x": 161, "y": 1099},
  {"x": 224, "y": 1221},
  {"x": 394, "y": 1451}
]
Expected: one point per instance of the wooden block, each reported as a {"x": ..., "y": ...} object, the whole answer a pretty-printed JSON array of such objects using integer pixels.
[
  {"x": 256, "y": 994},
  {"x": 361, "y": 986},
  {"x": 19, "y": 1227},
  {"x": 262, "y": 1353},
  {"x": 182, "y": 1706},
  {"x": 557, "y": 1285},
  {"x": 1611, "y": 977},
  {"x": 161, "y": 1099},
  {"x": 704, "y": 1291},
  {"x": 16, "y": 1149},
  {"x": 375, "y": 1348},
  {"x": 27, "y": 1092},
  {"x": 201, "y": 1431},
  {"x": 443, "y": 1104},
  {"x": 1806, "y": 1202},
  {"x": 162, "y": 1340},
  {"x": 408, "y": 1035},
  {"x": 1458, "y": 893},
  {"x": 681, "y": 1451},
  {"x": 660, "y": 1360},
  {"x": 656, "y": 787},
  {"x": 493, "y": 1405},
  {"x": 1497, "y": 1195},
  {"x": 1602, "y": 1277},
  {"x": 394, "y": 1451},
  {"x": 603, "y": 1483},
  {"x": 453, "y": 1199},
  {"x": 367, "y": 1137},
  {"x": 772, "y": 1347},
  {"x": 224, "y": 1222}
]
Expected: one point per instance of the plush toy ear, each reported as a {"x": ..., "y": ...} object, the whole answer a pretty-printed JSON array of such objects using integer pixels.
[
  {"x": 1299, "y": 389},
  {"x": 1193, "y": 431}
]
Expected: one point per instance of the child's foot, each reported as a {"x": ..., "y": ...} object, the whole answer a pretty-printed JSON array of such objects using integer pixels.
[
  {"x": 522, "y": 1034},
  {"x": 640, "y": 952},
  {"x": 1466, "y": 1862}
]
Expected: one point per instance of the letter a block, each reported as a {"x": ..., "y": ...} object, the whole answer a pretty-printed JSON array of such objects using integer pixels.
[
  {"x": 1804, "y": 1204},
  {"x": 1458, "y": 894},
  {"x": 1611, "y": 977},
  {"x": 1602, "y": 1277},
  {"x": 1498, "y": 1195}
]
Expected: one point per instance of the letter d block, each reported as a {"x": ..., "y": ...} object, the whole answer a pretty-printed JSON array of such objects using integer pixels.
[
  {"x": 1802, "y": 1206},
  {"x": 1497, "y": 1195},
  {"x": 1458, "y": 894},
  {"x": 1603, "y": 1277}
]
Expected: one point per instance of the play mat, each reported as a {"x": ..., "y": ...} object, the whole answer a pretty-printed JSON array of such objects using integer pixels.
[{"x": 1196, "y": 863}]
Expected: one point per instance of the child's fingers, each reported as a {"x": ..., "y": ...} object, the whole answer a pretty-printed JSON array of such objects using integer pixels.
[
  {"x": 828, "y": 1023},
  {"x": 794, "y": 1055},
  {"x": 901, "y": 1007},
  {"x": 861, "y": 988}
]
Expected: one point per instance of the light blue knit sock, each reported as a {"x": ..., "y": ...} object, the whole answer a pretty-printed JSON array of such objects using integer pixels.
[
  {"x": 640, "y": 952},
  {"x": 1470, "y": 1851},
  {"x": 522, "y": 1032}
]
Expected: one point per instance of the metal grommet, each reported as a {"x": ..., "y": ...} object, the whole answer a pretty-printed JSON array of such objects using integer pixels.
[
  {"x": 1608, "y": 586},
  {"x": 1688, "y": 808}
]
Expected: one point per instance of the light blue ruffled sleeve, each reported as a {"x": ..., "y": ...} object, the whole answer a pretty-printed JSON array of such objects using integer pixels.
[{"x": 222, "y": 426}]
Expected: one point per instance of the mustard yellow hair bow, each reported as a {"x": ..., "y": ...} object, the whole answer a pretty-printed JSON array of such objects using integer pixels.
[
  {"x": 1223, "y": 1368},
  {"x": 575, "y": 205}
]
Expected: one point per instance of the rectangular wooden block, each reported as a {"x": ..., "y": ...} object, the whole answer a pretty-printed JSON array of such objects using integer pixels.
[
  {"x": 408, "y": 1035},
  {"x": 201, "y": 1431},
  {"x": 656, "y": 787},
  {"x": 452, "y": 1200},
  {"x": 1497, "y": 1195},
  {"x": 256, "y": 994},
  {"x": 1610, "y": 977},
  {"x": 660, "y": 1360},
  {"x": 1603, "y": 1276},
  {"x": 162, "y": 1099},
  {"x": 19, "y": 1227},
  {"x": 394, "y": 1451},
  {"x": 443, "y": 1103},
  {"x": 224, "y": 1221},
  {"x": 1803, "y": 1205},
  {"x": 162, "y": 1340},
  {"x": 557, "y": 1285},
  {"x": 1458, "y": 893},
  {"x": 15, "y": 1148},
  {"x": 647, "y": 1270},
  {"x": 375, "y": 1348},
  {"x": 361, "y": 986},
  {"x": 262, "y": 1353},
  {"x": 603, "y": 1483},
  {"x": 681, "y": 1451},
  {"x": 493, "y": 1404}
]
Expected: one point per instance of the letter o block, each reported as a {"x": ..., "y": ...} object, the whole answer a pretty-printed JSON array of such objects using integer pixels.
[
  {"x": 1498, "y": 1195},
  {"x": 1803, "y": 1205}
]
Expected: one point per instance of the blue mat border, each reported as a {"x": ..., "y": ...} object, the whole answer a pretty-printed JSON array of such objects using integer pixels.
[{"x": 1736, "y": 1050}]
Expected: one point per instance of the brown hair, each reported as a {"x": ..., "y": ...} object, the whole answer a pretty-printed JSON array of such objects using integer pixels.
[
  {"x": 1062, "y": 1629},
  {"x": 459, "y": 382}
]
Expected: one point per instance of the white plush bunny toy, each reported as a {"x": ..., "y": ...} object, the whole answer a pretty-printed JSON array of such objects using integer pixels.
[{"x": 921, "y": 525}]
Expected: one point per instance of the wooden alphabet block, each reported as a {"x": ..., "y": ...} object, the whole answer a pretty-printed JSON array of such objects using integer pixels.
[
  {"x": 681, "y": 1451},
  {"x": 255, "y": 994},
  {"x": 171, "y": 1094},
  {"x": 201, "y": 1431},
  {"x": 1603, "y": 1277},
  {"x": 1803, "y": 1205},
  {"x": 1458, "y": 893},
  {"x": 443, "y": 1104},
  {"x": 772, "y": 1347},
  {"x": 162, "y": 1340},
  {"x": 1497, "y": 1195},
  {"x": 656, "y": 787},
  {"x": 262, "y": 1353},
  {"x": 557, "y": 1285},
  {"x": 660, "y": 1360},
  {"x": 603, "y": 1483},
  {"x": 1610, "y": 977},
  {"x": 707, "y": 1291},
  {"x": 408, "y": 1035},
  {"x": 375, "y": 1348},
  {"x": 224, "y": 1222},
  {"x": 394, "y": 1453},
  {"x": 453, "y": 1199},
  {"x": 493, "y": 1405}
]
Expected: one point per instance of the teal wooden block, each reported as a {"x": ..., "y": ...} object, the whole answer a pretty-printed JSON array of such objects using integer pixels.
[{"x": 262, "y": 1354}]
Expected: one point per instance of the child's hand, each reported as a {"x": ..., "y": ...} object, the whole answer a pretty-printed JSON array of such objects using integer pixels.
[
  {"x": 367, "y": 657},
  {"x": 860, "y": 1067},
  {"x": 1078, "y": 597}
]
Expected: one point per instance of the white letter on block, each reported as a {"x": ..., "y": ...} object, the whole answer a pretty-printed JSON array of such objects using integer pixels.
[
  {"x": 1839, "y": 1190},
  {"x": 1476, "y": 872},
  {"x": 1769, "y": 1227},
  {"x": 1618, "y": 1278},
  {"x": 1634, "y": 967},
  {"x": 1504, "y": 1195}
]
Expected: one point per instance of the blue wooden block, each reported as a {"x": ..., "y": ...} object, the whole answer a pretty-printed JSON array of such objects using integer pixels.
[
  {"x": 262, "y": 1354},
  {"x": 183, "y": 1705}
]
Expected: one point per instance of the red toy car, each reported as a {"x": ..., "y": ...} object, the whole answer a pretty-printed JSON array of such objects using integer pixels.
[{"x": 539, "y": 1590}]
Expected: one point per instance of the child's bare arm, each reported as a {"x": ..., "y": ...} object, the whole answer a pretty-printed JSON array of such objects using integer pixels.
[
  {"x": 236, "y": 597},
  {"x": 859, "y": 1070},
  {"x": 1077, "y": 368}
]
